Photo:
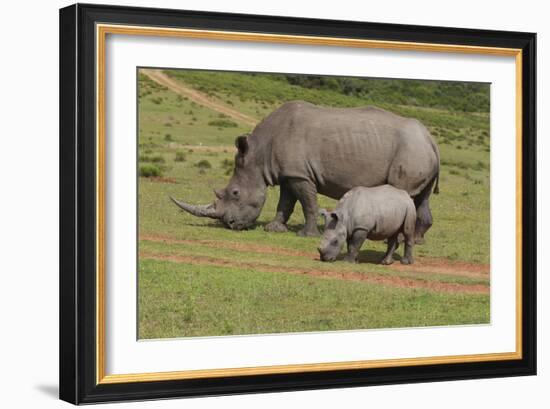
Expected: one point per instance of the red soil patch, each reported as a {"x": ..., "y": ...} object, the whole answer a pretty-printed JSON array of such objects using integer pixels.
[
  {"x": 442, "y": 266},
  {"x": 422, "y": 264},
  {"x": 374, "y": 278},
  {"x": 162, "y": 179},
  {"x": 239, "y": 246}
]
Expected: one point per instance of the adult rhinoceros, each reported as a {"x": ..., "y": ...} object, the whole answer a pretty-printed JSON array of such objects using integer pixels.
[{"x": 308, "y": 149}]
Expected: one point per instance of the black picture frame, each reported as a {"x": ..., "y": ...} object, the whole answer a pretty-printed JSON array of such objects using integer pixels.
[{"x": 78, "y": 360}]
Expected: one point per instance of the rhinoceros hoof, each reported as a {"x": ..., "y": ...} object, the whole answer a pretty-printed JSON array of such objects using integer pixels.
[
  {"x": 275, "y": 226},
  {"x": 350, "y": 259},
  {"x": 386, "y": 261},
  {"x": 406, "y": 260},
  {"x": 309, "y": 233}
]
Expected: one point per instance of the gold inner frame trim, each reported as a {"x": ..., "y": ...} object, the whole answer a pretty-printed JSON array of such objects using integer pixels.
[{"x": 101, "y": 33}]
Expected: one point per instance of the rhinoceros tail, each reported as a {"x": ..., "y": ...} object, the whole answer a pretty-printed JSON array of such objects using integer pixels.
[{"x": 436, "y": 188}]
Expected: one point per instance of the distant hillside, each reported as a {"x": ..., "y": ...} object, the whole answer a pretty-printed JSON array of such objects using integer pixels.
[{"x": 342, "y": 91}]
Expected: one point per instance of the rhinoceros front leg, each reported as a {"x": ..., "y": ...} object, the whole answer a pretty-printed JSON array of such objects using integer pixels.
[
  {"x": 354, "y": 245},
  {"x": 287, "y": 201},
  {"x": 306, "y": 192}
]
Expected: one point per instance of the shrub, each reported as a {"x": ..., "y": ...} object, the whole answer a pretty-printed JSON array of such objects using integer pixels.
[
  {"x": 158, "y": 159},
  {"x": 153, "y": 159},
  {"x": 180, "y": 157},
  {"x": 148, "y": 171},
  {"x": 168, "y": 137},
  {"x": 203, "y": 164},
  {"x": 480, "y": 166},
  {"x": 168, "y": 124},
  {"x": 223, "y": 123},
  {"x": 228, "y": 165}
]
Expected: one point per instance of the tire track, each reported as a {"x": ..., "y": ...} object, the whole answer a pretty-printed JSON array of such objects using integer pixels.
[{"x": 200, "y": 98}]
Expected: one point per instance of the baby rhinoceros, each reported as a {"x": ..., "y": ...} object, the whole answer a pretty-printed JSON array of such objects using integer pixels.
[{"x": 375, "y": 213}]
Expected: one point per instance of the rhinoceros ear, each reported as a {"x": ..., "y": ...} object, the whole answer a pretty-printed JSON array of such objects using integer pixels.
[{"x": 242, "y": 144}]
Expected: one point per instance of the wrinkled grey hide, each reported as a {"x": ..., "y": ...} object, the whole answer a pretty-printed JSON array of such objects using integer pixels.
[
  {"x": 307, "y": 149},
  {"x": 375, "y": 213}
]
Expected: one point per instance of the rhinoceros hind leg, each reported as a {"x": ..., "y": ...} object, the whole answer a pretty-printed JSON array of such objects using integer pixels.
[
  {"x": 408, "y": 232},
  {"x": 285, "y": 207},
  {"x": 424, "y": 218},
  {"x": 306, "y": 192},
  {"x": 424, "y": 221},
  {"x": 393, "y": 244}
]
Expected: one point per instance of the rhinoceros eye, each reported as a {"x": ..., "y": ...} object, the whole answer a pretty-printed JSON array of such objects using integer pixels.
[
  {"x": 235, "y": 192},
  {"x": 334, "y": 242}
]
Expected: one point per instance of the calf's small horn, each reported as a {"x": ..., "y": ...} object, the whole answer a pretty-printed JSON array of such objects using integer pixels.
[{"x": 198, "y": 210}]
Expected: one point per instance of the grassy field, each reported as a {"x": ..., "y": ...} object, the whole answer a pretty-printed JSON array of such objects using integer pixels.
[{"x": 198, "y": 278}]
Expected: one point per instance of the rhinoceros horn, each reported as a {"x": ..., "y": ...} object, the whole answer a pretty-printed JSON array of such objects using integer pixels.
[{"x": 198, "y": 210}]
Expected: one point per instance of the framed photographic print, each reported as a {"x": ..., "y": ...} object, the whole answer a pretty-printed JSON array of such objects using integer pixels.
[{"x": 258, "y": 203}]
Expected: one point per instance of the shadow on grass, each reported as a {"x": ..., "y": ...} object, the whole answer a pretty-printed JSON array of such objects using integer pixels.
[
  {"x": 294, "y": 228},
  {"x": 374, "y": 257}
]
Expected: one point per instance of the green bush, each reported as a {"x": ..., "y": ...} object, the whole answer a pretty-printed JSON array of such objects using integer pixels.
[
  {"x": 168, "y": 137},
  {"x": 204, "y": 164},
  {"x": 153, "y": 159},
  {"x": 180, "y": 157},
  {"x": 148, "y": 171},
  {"x": 228, "y": 165},
  {"x": 223, "y": 123},
  {"x": 480, "y": 166}
]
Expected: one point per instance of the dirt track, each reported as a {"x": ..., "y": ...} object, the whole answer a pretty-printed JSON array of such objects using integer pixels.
[
  {"x": 424, "y": 266},
  {"x": 161, "y": 78}
]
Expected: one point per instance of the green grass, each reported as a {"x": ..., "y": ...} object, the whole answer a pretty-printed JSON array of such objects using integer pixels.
[
  {"x": 198, "y": 156},
  {"x": 182, "y": 300}
]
